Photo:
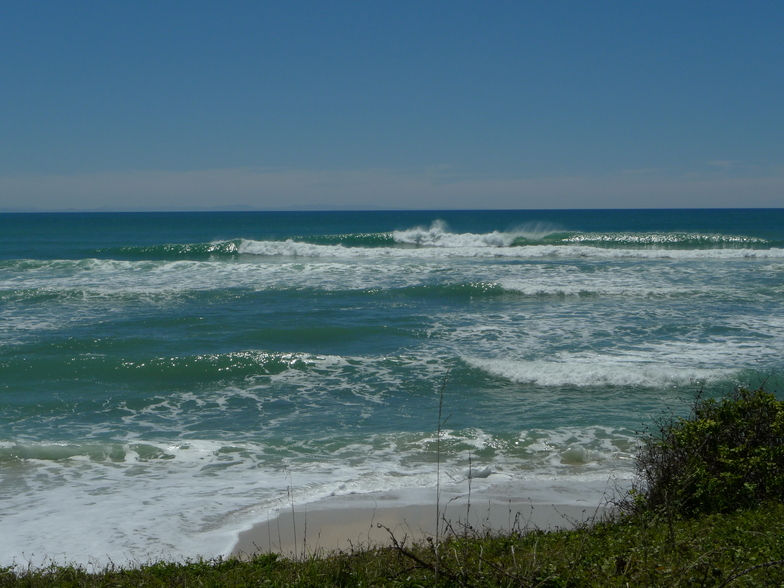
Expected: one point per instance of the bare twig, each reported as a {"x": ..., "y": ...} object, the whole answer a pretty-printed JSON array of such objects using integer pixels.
[
  {"x": 519, "y": 581},
  {"x": 290, "y": 492},
  {"x": 767, "y": 564},
  {"x": 438, "y": 471},
  {"x": 415, "y": 558}
]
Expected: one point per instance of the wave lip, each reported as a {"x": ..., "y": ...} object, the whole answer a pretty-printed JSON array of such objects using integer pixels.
[
  {"x": 467, "y": 245},
  {"x": 438, "y": 235},
  {"x": 674, "y": 240},
  {"x": 175, "y": 251},
  {"x": 531, "y": 240}
]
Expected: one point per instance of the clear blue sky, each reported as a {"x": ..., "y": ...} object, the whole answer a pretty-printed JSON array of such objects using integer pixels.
[{"x": 150, "y": 105}]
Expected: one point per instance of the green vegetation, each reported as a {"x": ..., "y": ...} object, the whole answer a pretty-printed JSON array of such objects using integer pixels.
[
  {"x": 704, "y": 551},
  {"x": 727, "y": 455},
  {"x": 708, "y": 511}
]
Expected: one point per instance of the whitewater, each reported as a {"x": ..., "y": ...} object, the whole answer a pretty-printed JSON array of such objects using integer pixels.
[{"x": 169, "y": 379}]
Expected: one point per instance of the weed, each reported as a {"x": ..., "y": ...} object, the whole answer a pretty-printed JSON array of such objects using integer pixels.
[{"x": 727, "y": 455}]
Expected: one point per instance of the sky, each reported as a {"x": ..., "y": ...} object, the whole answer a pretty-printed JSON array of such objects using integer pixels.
[{"x": 392, "y": 105}]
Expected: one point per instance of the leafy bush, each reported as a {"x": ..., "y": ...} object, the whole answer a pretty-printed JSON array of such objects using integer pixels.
[{"x": 727, "y": 455}]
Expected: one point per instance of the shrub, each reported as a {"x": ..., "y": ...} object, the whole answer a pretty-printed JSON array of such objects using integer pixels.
[{"x": 727, "y": 455}]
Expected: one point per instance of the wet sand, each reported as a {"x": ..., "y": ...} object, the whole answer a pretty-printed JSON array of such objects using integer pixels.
[{"x": 369, "y": 520}]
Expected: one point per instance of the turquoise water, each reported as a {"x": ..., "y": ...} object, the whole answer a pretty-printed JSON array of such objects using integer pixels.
[{"x": 168, "y": 378}]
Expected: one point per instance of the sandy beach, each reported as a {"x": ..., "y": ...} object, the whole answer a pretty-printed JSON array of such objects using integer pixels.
[{"x": 362, "y": 520}]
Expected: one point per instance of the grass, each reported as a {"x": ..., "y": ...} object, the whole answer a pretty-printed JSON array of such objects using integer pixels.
[
  {"x": 708, "y": 512},
  {"x": 709, "y": 550}
]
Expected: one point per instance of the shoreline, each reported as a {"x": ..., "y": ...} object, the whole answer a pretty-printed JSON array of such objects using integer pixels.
[{"x": 351, "y": 521}]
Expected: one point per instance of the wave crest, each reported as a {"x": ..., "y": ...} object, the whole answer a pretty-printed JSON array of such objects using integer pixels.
[{"x": 583, "y": 374}]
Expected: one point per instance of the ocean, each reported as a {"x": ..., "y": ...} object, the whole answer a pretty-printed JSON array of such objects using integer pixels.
[{"x": 169, "y": 379}]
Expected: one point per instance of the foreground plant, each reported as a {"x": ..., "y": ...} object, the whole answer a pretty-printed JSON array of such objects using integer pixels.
[
  {"x": 740, "y": 549},
  {"x": 727, "y": 455}
]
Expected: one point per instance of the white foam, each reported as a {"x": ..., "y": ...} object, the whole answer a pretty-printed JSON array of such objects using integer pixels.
[
  {"x": 190, "y": 498},
  {"x": 607, "y": 372},
  {"x": 174, "y": 495},
  {"x": 438, "y": 235},
  {"x": 90, "y": 285},
  {"x": 435, "y": 244}
]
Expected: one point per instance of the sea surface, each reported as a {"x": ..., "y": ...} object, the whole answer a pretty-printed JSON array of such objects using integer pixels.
[{"x": 168, "y": 379}]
